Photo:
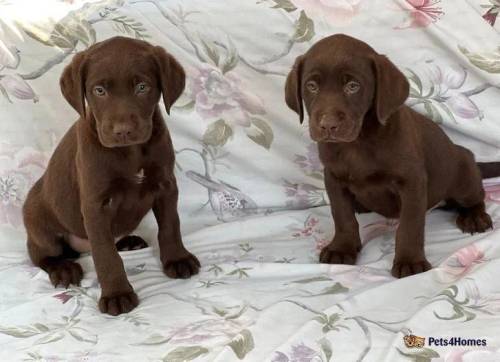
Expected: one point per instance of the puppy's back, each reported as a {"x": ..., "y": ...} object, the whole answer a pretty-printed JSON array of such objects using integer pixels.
[{"x": 441, "y": 160}]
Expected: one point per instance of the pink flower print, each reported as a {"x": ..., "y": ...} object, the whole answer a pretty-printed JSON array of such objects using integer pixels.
[
  {"x": 280, "y": 357},
  {"x": 378, "y": 228},
  {"x": 219, "y": 95},
  {"x": 445, "y": 78},
  {"x": 463, "y": 260},
  {"x": 349, "y": 276},
  {"x": 17, "y": 87},
  {"x": 492, "y": 190},
  {"x": 302, "y": 353},
  {"x": 469, "y": 255},
  {"x": 491, "y": 15},
  {"x": 19, "y": 168},
  {"x": 321, "y": 243},
  {"x": 9, "y": 56},
  {"x": 447, "y": 82},
  {"x": 462, "y": 106},
  {"x": 489, "y": 304},
  {"x": 209, "y": 329},
  {"x": 308, "y": 228},
  {"x": 310, "y": 163},
  {"x": 63, "y": 297},
  {"x": 13, "y": 189},
  {"x": 422, "y": 13},
  {"x": 311, "y": 229},
  {"x": 304, "y": 195}
]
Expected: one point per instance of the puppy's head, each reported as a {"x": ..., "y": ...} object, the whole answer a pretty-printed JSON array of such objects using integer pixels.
[
  {"x": 121, "y": 80},
  {"x": 340, "y": 79}
]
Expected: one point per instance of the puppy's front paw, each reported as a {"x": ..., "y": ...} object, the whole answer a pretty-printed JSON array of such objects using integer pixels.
[
  {"x": 342, "y": 250},
  {"x": 182, "y": 268},
  {"x": 118, "y": 303},
  {"x": 64, "y": 273},
  {"x": 401, "y": 269},
  {"x": 330, "y": 255}
]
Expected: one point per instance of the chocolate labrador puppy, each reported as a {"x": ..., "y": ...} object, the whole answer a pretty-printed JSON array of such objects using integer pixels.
[
  {"x": 380, "y": 155},
  {"x": 112, "y": 166}
]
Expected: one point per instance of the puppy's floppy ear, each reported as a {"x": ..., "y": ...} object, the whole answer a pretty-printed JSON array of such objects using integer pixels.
[
  {"x": 172, "y": 77},
  {"x": 293, "y": 88},
  {"x": 72, "y": 83},
  {"x": 391, "y": 88}
]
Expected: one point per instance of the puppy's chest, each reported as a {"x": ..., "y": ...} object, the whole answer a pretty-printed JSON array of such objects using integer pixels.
[
  {"x": 138, "y": 182},
  {"x": 355, "y": 168},
  {"x": 358, "y": 177}
]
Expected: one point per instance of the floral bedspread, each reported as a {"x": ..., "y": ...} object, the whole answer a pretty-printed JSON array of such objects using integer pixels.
[{"x": 252, "y": 200}]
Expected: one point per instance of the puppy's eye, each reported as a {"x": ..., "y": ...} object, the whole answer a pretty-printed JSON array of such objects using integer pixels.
[
  {"x": 312, "y": 86},
  {"x": 352, "y": 87},
  {"x": 99, "y": 91},
  {"x": 141, "y": 88}
]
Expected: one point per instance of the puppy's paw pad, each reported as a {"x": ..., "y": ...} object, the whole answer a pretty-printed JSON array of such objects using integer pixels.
[
  {"x": 330, "y": 256},
  {"x": 405, "y": 269},
  {"x": 182, "y": 268},
  {"x": 474, "y": 222},
  {"x": 131, "y": 242},
  {"x": 64, "y": 273},
  {"x": 119, "y": 303}
]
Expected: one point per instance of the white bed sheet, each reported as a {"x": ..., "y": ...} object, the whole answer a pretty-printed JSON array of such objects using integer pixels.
[{"x": 252, "y": 200}]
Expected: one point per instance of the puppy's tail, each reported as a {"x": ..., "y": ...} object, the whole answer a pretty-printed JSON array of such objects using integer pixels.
[{"x": 489, "y": 169}]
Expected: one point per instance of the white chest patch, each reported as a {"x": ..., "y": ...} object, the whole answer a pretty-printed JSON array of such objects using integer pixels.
[{"x": 140, "y": 176}]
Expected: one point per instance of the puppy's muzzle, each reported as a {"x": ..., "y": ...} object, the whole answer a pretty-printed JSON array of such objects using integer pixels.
[
  {"x": 331, "y": 125},
  {"x": 124, "y": 133}
]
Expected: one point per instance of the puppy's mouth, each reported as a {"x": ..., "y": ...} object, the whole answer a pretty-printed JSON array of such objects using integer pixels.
[
  {"x": 114, "y": 141},
  {"x": 121, "y": 144},
  {"x": 337, "y": 140},
  {"x": 342, "y": 135}
]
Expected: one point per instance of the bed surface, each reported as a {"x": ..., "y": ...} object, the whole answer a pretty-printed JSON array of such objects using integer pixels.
[{"x": 252, "y": 202}]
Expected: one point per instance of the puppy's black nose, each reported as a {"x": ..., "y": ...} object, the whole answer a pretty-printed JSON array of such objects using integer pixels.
[
  {"x": 122, "y": 130},
  {"x": 329, "y": 123}
]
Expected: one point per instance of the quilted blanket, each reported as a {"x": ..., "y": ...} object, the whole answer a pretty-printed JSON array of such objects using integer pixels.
[{"x": 253, "y": 206}]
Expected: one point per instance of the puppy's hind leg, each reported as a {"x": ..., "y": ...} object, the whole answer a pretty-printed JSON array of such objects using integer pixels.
[
  {"x": 468, "y": 197},
  {"x": 49, "y": 251},
  {"x": 61, "y": 269}
]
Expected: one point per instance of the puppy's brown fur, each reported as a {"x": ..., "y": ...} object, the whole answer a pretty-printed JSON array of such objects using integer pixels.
[
  {"x": 112, "y": 166},
  {"x": 379, "y": 155}
]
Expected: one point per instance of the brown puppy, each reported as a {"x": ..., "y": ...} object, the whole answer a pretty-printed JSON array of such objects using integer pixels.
[
  {"x": 112, "y": 166},
  {"x": 380, "y": 155}
]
